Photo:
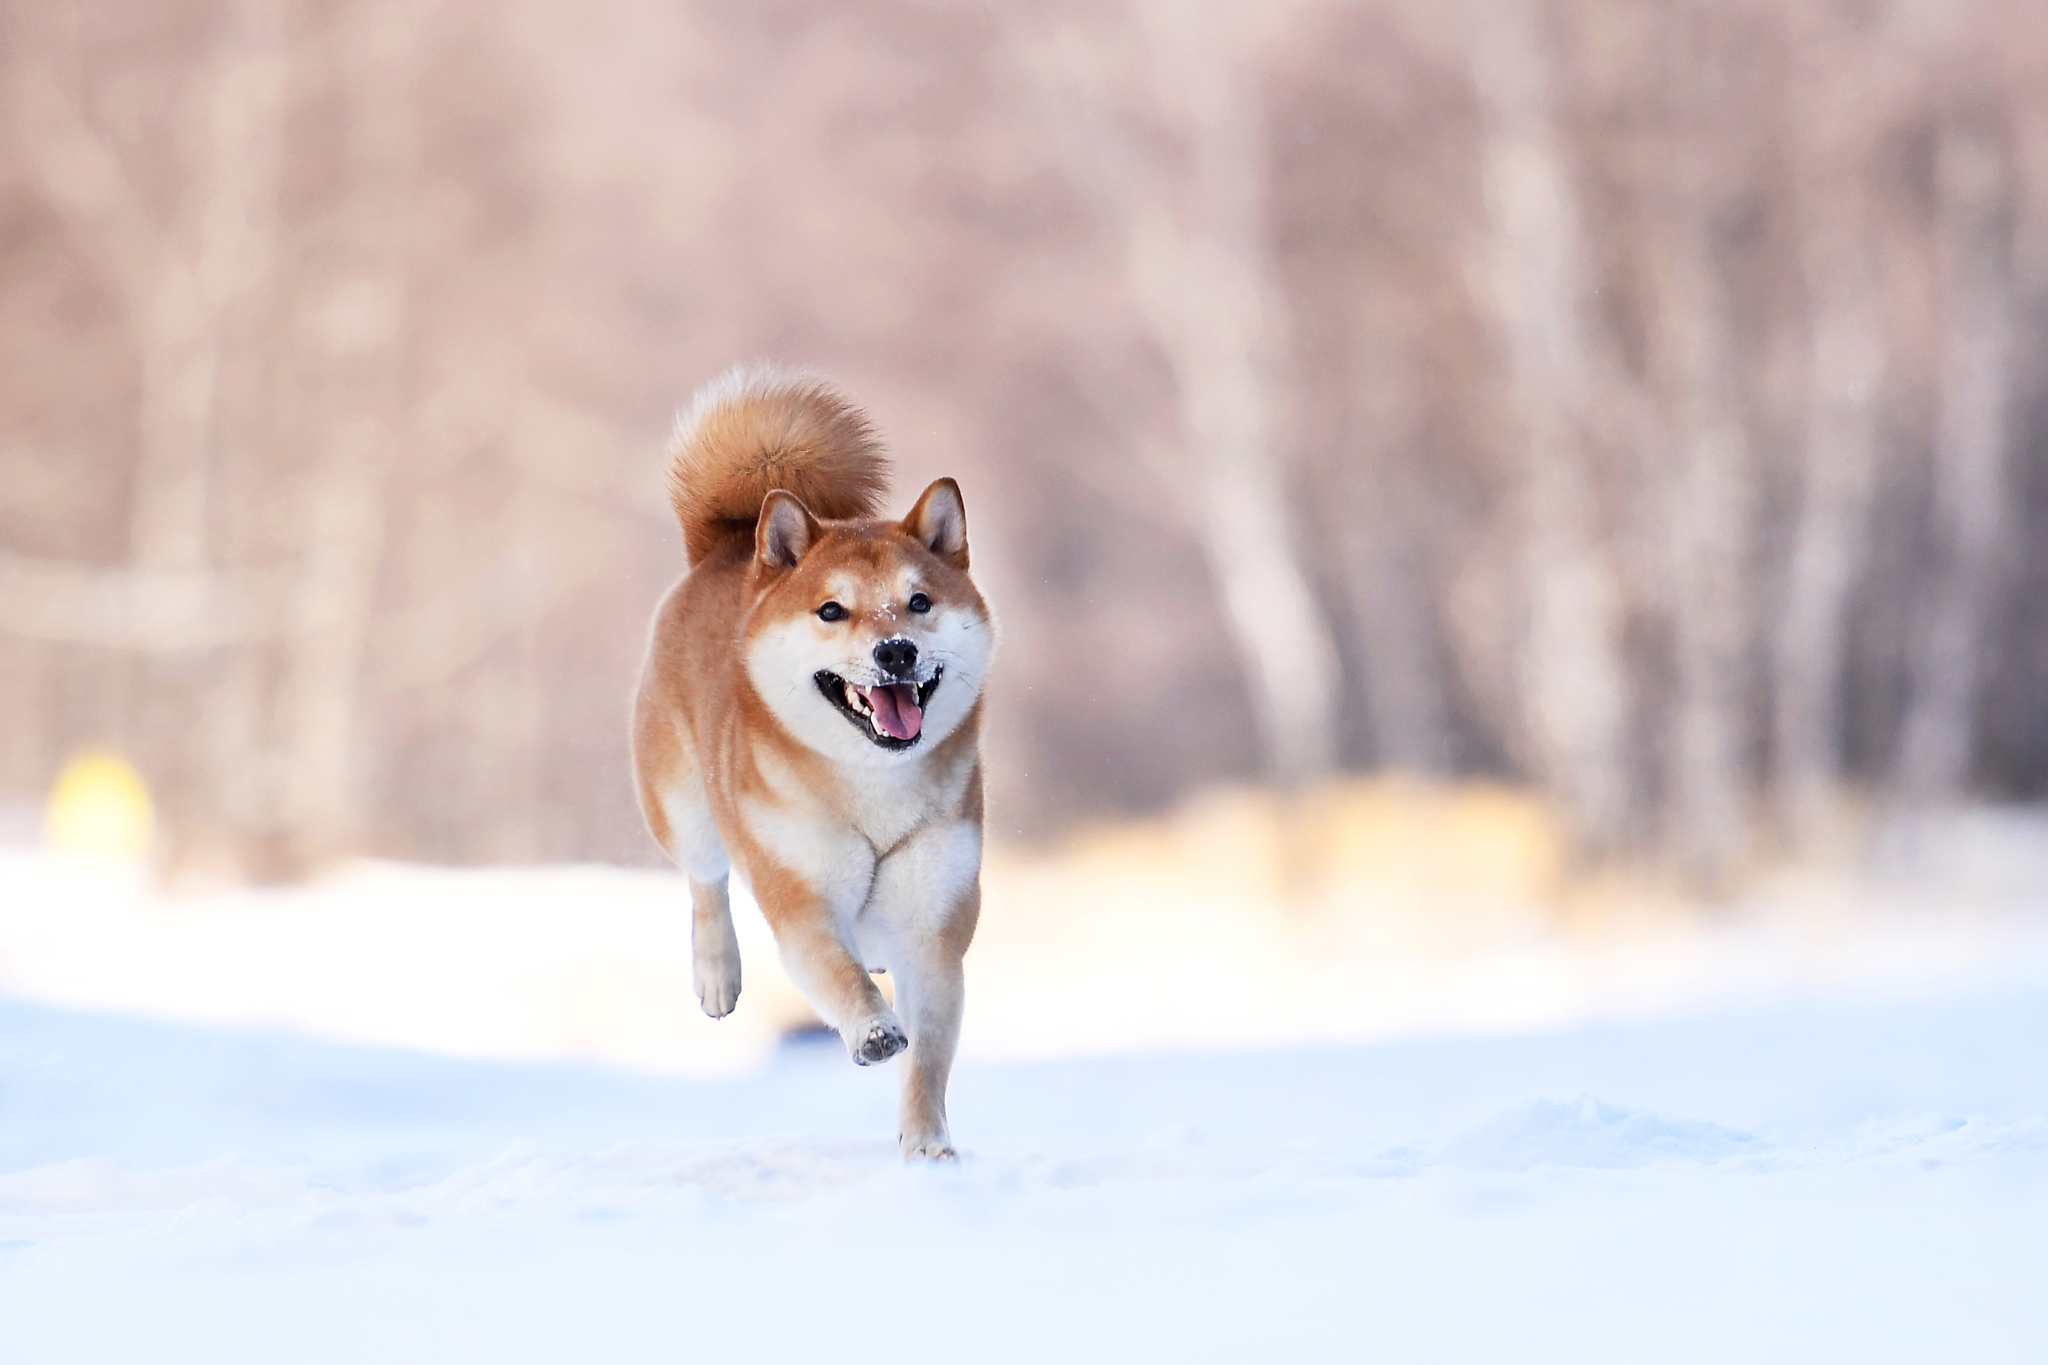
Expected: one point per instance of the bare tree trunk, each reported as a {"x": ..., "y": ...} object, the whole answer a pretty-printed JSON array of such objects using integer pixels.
[
  {"x": 1975, "y": 200},
  {"x": 1844, "y": 369},
  {"x": 1203, "y": 277},
  {"x": 246, "y": 127},
  {"x": 1575, "y": 684},
  {"x": 1708, "y": 503},
  {"x": 1199, "y": 268},
  {"x": 1388, "y": 594},
  {"x": 1372, "y": 524},
  {"x": 356, "y": 410}
]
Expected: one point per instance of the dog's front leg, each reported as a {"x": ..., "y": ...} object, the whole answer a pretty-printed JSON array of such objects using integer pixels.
[
  {"x": 825, "y": 969},
  {"x": 815, "y": 952}
]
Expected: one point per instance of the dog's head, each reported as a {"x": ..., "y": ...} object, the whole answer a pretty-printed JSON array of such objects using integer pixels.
[{"x": 867, "y": 639}]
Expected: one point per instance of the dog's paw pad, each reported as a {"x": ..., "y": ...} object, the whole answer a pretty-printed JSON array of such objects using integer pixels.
[
  {"x": 877, "y": 1041},
  {"x": 929, "y": 1149}
]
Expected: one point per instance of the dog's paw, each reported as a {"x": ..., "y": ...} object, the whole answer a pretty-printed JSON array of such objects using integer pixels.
[
  {"x": 718, "y": 982},
  {"x": 876, "y": 1040},
  {"x": 928, "y": 1147}
]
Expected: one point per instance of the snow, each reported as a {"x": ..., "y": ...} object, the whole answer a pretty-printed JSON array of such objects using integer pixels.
[
  {"x": 1179, "y": 948},
  {"x": 1780, "y": 1165},
  {"x": 1856, "y": 1182}
]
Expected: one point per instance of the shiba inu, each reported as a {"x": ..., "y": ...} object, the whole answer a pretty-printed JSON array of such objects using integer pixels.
[{"x": 810, "y": 714}]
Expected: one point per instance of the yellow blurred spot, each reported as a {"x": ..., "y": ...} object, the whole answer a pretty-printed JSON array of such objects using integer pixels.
[
  {"x": 1370, "y": 837},
  {"x": 99, "y": 808}
]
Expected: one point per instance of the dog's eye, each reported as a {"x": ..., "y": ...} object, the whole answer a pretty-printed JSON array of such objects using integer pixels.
[
  {"x": 831, "y": 611},
  {"x": 919, "y": 602}
]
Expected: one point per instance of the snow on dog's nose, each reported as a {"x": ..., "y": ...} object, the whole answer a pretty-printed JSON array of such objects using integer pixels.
[
  {"x": 894, "y": 705},
  {"x": 897, "y": 657}
]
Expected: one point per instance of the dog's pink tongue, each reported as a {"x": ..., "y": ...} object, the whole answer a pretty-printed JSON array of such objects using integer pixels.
[{"x": 896, "y": 707}]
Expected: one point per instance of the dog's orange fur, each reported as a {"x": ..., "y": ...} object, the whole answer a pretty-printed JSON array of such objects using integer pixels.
[{"x": 863, "y": 852}]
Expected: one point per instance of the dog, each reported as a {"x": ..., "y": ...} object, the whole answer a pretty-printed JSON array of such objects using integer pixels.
[{"x": 810, "y": 714}]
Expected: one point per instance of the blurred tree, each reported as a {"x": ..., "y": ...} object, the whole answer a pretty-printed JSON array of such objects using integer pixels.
[
  {"x": 1573, "y": 684},
  {"x": 1847, "y": 81},
  {"x": 1713, "y": 73},
  {"x": 1973, "y": 224},
  {"x": 1621, "y": 397},
  {"x": 1159, "y": 122}
]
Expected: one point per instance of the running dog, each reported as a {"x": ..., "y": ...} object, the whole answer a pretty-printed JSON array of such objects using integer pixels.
[{"x": 810, "y": 712}]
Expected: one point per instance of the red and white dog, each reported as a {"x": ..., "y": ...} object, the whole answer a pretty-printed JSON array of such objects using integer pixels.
[{"x": 810, "y": 712}]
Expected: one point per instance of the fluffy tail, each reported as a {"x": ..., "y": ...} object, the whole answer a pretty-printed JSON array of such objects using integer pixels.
[{"x": 757, "y": 428}]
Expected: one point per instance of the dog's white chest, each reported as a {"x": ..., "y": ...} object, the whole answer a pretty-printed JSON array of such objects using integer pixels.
[{"x": 889, "y": 808}]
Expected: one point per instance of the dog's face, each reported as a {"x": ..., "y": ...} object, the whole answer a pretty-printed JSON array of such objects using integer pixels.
[{"x": 867, "y": 640}]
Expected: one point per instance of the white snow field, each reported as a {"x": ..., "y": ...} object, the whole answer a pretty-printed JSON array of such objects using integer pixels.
[{"x": 1791, "y": 1165}]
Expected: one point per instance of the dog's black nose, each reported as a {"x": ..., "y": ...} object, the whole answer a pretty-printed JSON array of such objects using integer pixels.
[{"x": 897, "y": 658}]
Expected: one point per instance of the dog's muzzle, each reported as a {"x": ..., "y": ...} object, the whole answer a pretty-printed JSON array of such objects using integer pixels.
[{"x": 890, "y": 714}]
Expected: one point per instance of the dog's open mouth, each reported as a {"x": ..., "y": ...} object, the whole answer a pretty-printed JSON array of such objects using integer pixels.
[{"x": 891, "y": 715}]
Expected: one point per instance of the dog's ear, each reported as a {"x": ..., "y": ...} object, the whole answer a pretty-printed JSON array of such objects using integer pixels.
[
  {"x": 939, "y": 522},
  {"x": 785, "y": 530}
]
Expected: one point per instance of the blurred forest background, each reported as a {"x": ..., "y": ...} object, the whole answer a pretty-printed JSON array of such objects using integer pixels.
[{"x": 1642, "y": 401}]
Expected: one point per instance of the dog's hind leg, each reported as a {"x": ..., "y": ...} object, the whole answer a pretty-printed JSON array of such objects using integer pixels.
[
  {"x": 930, "y": 994},
  {"x": 714, "y": 947},
  {"x": 679, "y": 814}
]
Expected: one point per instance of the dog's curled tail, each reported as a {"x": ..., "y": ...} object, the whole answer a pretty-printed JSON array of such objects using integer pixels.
[{"x": 757, "y": 428}]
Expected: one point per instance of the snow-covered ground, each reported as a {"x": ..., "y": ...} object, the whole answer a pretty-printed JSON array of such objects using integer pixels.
[
  {"x": 1793, "y": 1160},
  {"x": 1849, "y": 1182}
]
